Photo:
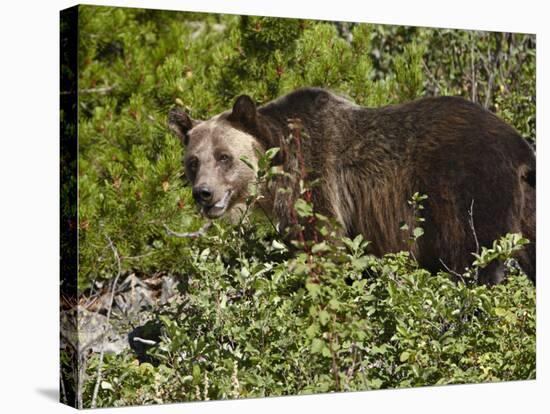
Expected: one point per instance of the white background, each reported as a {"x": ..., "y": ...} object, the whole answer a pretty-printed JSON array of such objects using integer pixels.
[{"x": 29, "y": 205}]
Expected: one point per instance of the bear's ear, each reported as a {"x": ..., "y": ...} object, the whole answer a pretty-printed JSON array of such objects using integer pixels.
[
  {"x": 244, "y": 111},
  {"x": 180, "y": 123}
]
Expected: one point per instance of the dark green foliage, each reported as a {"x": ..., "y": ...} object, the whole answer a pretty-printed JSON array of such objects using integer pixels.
[
  {"x": 256, "y": 319},
  {"x": 496, "y": 70}
]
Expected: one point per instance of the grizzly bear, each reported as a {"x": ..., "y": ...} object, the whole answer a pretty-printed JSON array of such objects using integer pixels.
[{"x": 477, "y": 171}]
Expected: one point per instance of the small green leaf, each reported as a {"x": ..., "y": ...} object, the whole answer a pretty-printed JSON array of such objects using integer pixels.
[
  {"x": 325, "y": 352},
  {"x": 272, "y": 152},
  {"x": 196, "y": 372},
  {"x": 106, "y": 385},
  {"x": 319, "y": 247},
  {"x": 317, "y": 346},
  {"x": 248, "y": 163},
  {"x": 278, "y": 245},
  {"x": 312, "y": 330},
  {"x": 314, "y": 289},
  {"x": 417, "y": 232},
  {"x": 303, "y": 208},
  {"x": 324, "y": 317}
]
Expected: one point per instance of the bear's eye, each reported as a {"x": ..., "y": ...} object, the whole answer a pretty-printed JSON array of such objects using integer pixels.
[
  {"x": 193, "y": 164},
  {"x": 224, "y": 158}
]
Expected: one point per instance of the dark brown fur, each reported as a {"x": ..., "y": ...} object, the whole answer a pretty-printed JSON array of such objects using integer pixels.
[{"x": 371, "y": 160}]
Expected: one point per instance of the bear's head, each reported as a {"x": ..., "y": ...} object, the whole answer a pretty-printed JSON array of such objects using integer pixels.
[{"x": 213, "y": 156}]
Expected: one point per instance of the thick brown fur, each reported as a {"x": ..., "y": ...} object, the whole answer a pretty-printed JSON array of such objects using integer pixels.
[{"x": 371, "y": 160}]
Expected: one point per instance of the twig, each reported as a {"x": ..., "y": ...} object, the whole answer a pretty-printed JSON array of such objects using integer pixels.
[
  {"x": 270, "y": 220},
  {"x": 491, "y": 67},
  {"x": 435, "y": 82},
  {"x": 63, "y": 393},
  {"x": 335, "y": 369},
  {"x": 473, "y": 70},
  {"x": 471, "y": 222},
  {"x": 141, "y": 256},
  {"x": 472, "y": 227},
  {"x": 191, "y": 235},
  {"x": 351, "y": 368},
  {"x": 101, "y": 90},
  {"x": 111, "y": 299},
  {"x": 452, "y": 271}
]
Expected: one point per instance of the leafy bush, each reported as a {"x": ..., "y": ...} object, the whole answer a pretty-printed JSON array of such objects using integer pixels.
[
  {"x": 255, "y": 318},
  {"x": 263, "y": 326}
]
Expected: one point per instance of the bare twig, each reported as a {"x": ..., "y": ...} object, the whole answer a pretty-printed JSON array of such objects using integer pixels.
[
  {"x": 109, "y": 309},
  {"x": 351, "y": 369},
  {"x": 491, "y": 67},
  {"x": 454, "y": 273},
  {"x": 473, "y": 70},
  {"x": 436, "y": 85},
  {"x": 191, "y": 235},
  {"x": 266, "y": 214},
  {"x": 141, "y": 256},
  {"x": 335, "y": 368},
  {"x": 63, "y": 393},
  {"x": 472, "y": 227},
  {"x": 101, "y": 90},
  {"x": 487, "y": 65}
]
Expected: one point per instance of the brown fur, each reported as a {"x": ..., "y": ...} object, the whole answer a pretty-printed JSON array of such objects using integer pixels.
[{"x": 371, "y": 160}]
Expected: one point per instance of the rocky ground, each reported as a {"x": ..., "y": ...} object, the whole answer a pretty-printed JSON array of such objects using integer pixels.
[{"x": 91, "y": 327}]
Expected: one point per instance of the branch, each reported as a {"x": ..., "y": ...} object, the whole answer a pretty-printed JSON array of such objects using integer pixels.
[
  {"x": 63, "y": 393},
  {"x": 454, "y": 273},
  {"x": 472, "y": 227},
  {"x": 192, "y": 235},
  {"x": 104, "y": 90},
  {"x": 473, "y": 70},
  {"x": 111, "y": 299},
  {"x": 435, "y": 82},
  {"x": 494, "y": 64}
]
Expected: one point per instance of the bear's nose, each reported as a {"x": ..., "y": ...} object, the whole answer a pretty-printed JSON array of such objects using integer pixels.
[{"x": 202, "y": 194}]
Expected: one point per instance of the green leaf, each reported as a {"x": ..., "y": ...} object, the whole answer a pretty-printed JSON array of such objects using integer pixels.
[
  {"x": 417, "y": 232},
  {"x": 324, "y": 317},
  {"x": 303, "y": 208},
  {"x": 106, "y": 385},
  {"x": 320, "y": 247},
  {"x": 314, "y": 289},
  {"x": 312, "y": 330},
  {"x": 404, "y": 356},
  {"x": 272, "y": 152},
  {"x": 375, "y": 383},
  {"x": 278, "y": 245},
  {"x": 248, "y": 163},
  {"x": 317, "y": 346},
  {"x": 326, "y": 352},
  {"x": 196, "y": 373}
]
